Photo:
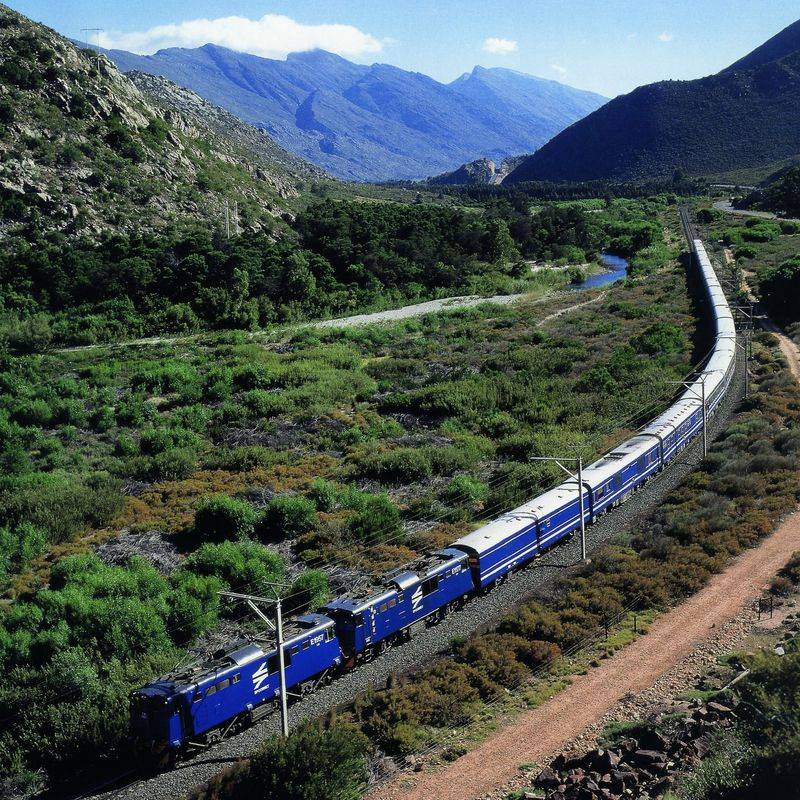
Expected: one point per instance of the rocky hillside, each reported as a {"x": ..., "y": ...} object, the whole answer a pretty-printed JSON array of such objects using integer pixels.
[
  {"x": 84, "y": 149},
  {"x": 747, "y": 116},
  {"x": 481, "y": 172},
  {"x": 373, "y": 122}
]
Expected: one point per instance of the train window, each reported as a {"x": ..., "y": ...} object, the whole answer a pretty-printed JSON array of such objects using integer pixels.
[
  {"x": 400, "y": 597},
  {"x": 306, "y": 644},
  {"x": 392, "y": 603},
  {"x": 295, "y": 650},
  {"x": 198, "y": 696},
  {"x": 331, "y": 633},
  {"x": 223, "y": 684},
  {"x": 236, "y": 678},
  {"x": 382, "y": 607},
  {"x": 430, "y": 586},
  {"x": 600, "y": 493},
  {"x": 359, "y": 620},
  {"x": 211, "y": 690}
]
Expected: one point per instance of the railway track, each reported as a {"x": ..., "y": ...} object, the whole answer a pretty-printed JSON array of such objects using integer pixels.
[{"x": 479, "y": 614}]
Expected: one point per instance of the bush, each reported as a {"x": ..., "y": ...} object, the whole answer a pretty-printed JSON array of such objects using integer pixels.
[
  {"x": 221, "y": 517},
  {"x": 308, "y": 592},
  {"x": 286, "y": 516},
  {"x": 465, "y": 490},
  {"x": 404, "y": 465},
  {"x": 173, "y": 465},
  {"x": 312, "y": 764},
  {"x": 246, "y": 566},
  {"x": 378, "y": 520}
]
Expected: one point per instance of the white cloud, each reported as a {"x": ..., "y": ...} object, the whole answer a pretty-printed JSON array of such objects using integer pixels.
[
  {"x": 272, "y": 36},
  {"x": 500, "y": 47},
  {"x": 559, "y": 69},
  {"x": 665, "y": 37}
]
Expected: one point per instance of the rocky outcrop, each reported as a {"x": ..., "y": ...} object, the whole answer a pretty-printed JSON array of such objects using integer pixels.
[
  {"x": 83, "y": 148},
  {"x": 484, "y": 171},
  {"x": 643, "y": 765}
]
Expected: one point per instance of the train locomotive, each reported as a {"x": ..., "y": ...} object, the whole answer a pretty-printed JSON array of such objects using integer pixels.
[{"x": 200, "y": 705}]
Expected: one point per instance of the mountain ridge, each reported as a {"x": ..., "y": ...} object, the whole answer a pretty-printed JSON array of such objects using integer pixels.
[
  {"x": 373, "y": 122},
  {"x": 738, "y": 118},
  {"x": 85, "y": 149}
]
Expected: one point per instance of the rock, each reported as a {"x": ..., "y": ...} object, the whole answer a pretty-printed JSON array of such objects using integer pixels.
[
  {"x": 653, "y": 740},
  {"x": 702, "y": 745},
  {"x": 547, "y": 778},
  {"x": 719, "y": 708},
  {"x": 650, "y": 758}
]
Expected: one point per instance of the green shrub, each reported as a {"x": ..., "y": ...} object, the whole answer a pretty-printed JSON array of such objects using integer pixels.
[
  {"x": 286, "y": 516},
  {"x": 403, "y": 465},
  {"x": 223, "y": 517},
  {"x": 465, "y": 490},
  {"x": 243, "y": 566},
  {"x": 312, "y": 763},
  {"x": 378, "y": 520},
  {"x": 174, "y": 464},
  {"x": 308, "y": 592}
]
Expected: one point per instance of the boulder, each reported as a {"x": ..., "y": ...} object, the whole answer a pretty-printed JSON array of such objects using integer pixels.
[
  {"x": 547, "y": 779},
  {"x": 650, "y": 758}
]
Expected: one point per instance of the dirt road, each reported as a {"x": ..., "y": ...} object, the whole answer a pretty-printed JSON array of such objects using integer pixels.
[{"x": 539, "y": 734}]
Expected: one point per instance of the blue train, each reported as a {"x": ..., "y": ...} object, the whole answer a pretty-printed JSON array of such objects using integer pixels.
[{"x": 200, "y": 705}]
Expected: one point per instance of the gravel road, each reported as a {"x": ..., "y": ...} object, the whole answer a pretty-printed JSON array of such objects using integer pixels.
[
  {"x": 416, "y": 310},
  {"x": 478, "y": 614}
]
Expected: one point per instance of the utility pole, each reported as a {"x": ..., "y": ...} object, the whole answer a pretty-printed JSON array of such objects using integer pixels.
[
  {"x": 748, "y": 312},
  {"x": 253, "y": 601},
  {"x": 579, "y": 479},
  {"x": 96, "y": 32},
  {"x": 236, "y": 217},
  {"x": 227, "y": 221}
]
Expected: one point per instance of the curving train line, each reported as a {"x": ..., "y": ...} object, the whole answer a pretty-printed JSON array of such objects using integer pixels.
[{"x": 202, "y": 704}]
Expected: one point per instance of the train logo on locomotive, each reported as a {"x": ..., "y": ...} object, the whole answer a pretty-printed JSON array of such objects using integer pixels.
[{"x": 259, "y": 678}]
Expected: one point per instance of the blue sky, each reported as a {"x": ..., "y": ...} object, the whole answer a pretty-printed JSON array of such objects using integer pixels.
[{"x": 608, "y": 46}]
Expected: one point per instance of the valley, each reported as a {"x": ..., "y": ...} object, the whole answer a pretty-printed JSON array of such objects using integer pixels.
[{"x": 296, "y": 348}]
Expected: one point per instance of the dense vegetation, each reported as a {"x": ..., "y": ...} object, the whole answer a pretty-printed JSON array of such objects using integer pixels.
[
  {"x": 352, "y": 449},
  {"x": 342, "y": 256},
  {"x": 782, "y": 196},
  {"x": 768, "y": 251},
  {"x": 749, "y": 480}
]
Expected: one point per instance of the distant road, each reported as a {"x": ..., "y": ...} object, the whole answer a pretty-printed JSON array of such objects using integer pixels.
[
  {"x": 416, "y": 310},
  {"x": 724, "y": 205}
]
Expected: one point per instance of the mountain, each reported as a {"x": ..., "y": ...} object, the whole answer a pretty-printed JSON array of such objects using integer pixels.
[
  {"x": 375, "y": 122},
  {"x": 83, "y": 149},
  {"x": 744, "y": 117},
  {"x": 481, "y": 172}
]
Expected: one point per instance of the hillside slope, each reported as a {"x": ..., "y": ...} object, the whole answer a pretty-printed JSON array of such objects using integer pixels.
[
  {"x": 374, "y": 122},
  {"x": 746, "y": 116},
  {"x": 83, "y": 149}
]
